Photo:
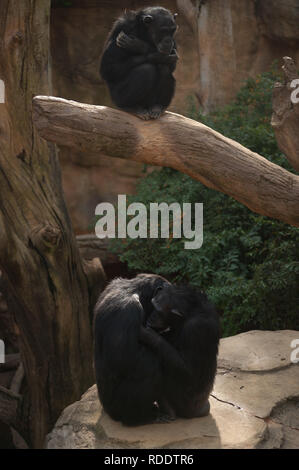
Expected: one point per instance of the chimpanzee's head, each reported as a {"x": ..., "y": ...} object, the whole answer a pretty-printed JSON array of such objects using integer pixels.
[
  {"x": 166, "y": 313},
  {"x": 175, "y": 304},
  {"x": 146, "y": 286},
  {"x": 161, "y": 27}
]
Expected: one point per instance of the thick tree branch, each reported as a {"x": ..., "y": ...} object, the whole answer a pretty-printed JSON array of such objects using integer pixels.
[{"x": 172, "y": 141}]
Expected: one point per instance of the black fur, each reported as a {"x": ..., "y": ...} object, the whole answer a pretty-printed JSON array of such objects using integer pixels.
[
  {"x": 189, "y": 322},
  {"x": 138, "y": 61},
  {"x": 130, "y": 359}
]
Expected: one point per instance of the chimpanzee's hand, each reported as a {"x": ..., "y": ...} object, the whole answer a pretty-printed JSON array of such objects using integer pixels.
[
  {"x": 172, "y": 58},
  {"x": 131, "y": 43},
  {"x": 149, "y": 337},
  {"x": 159, "y": 58}
]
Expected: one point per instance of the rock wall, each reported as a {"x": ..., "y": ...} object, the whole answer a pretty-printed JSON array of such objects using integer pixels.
[
  {"x": 242, "y": 38},
  {"x": 228, "y": 41}
]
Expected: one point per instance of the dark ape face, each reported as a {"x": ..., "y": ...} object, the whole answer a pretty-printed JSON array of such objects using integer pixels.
[
  {"x": 147, "y": 286},
  {"x": 166, "y": 314},
  {"x": 161, "y": 27}
]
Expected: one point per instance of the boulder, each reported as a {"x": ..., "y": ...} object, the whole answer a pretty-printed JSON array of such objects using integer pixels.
[{"x": 254, "y": 404}]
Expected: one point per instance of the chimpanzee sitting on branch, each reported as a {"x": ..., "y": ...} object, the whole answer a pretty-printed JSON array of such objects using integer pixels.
[{"x": 138, "y": 61}]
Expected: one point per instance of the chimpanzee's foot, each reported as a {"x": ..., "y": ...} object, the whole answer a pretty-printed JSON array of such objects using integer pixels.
[
  {"x": 164, "y": 418},
  {"x": 156, "y": 111},
  {"x": 203, "y": 410},
  {"x": 142, "y": 113},
  {"x": 165, "y": 412},
  {"x": 194, "y": 410}
]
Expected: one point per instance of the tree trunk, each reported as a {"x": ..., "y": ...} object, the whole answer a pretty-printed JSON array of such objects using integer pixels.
[
  {"x": 41, "y": 266},
  {"x": 285, "y": 118},
  {"x": 173, "y": 141}
]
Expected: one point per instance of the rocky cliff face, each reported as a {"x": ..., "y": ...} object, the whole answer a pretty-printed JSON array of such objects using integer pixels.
[
  {"x": 226, "y": 41},
  {"x": 241, "y": 38}
]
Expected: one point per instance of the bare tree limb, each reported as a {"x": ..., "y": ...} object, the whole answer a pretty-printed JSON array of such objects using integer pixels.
[
  {"x": 172, "y": 141},
  {"x": 96, "y": 278},
  {"x": 15, "y": 387},
  {"x": 17, "y": 380},
  {"x": 285, "y": 118},
  {"x": 9, "y": 407}
]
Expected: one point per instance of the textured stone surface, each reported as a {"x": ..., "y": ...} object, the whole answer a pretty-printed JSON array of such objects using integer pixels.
[
  {"x": 248, "y": 36},
  {"x": 85, "y": 425},
  {"x": 261, "y": 350},
  {"x": 257, "y": 392},
  {"x": 279, "y": 19},
  {"x": 254, "y": 404}
]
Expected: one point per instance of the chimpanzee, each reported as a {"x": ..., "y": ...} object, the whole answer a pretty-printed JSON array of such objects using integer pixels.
[
  {"x": 189, "y": 322},
  {"x": 130, "y": 359},
  {"x": 138, "y": 61}
]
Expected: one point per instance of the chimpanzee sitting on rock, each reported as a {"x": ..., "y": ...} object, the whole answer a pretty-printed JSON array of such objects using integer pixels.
[
  {"x": 153, "y": 365},
  {"x": 138, "y": 61}
]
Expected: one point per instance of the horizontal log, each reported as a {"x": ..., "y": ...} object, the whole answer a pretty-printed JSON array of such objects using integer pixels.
[{"x": 171, "y": 141}]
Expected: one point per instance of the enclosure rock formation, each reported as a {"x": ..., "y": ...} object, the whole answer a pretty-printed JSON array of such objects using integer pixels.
[
  {"x": 242, "y": 38},
  {"x": 254, "y": 404}
]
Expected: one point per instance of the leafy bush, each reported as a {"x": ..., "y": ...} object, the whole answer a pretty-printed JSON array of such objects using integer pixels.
[{"x": 248, "y": 263}]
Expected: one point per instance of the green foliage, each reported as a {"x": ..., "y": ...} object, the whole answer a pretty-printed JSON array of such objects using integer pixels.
[
  {"x": 248, "y": 264},
  {"x": 247, "y": 119}
]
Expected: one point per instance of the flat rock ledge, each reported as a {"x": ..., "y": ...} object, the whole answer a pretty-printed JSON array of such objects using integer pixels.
[{"x": 254, "y": 404}]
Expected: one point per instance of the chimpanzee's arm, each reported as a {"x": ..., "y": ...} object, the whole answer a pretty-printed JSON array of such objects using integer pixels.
[
  {"x": 116, "y": 63},
  {"x": 138, "y": 46},
  {"x": 132, "y": 43},
  {"x": 170, "y": 358},
  {"x": 172, "y": 65},
  {"x": 159, "y": 58}
]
